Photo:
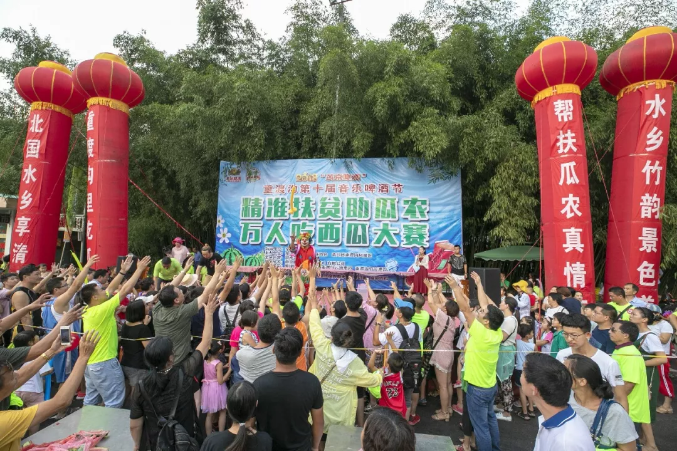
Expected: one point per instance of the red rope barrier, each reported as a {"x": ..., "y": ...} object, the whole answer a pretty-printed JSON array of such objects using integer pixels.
[{"x": 165, "y": 212}]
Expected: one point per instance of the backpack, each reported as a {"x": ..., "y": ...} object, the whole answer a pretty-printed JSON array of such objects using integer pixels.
[
  {"x": 172, "y": 436},
  {"x": 598, "y": 423},
  {"x": 230, "y": 325},
  {"x": 413, "y": 361}
]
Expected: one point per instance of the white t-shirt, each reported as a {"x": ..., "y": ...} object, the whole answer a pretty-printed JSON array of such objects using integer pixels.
[
  {"x": 509, "y": 326},
  {"x": 231, "y": 310},
  {"x": 523, "y": 304},
  {"x": 663, "y": 327},
  {"x": 609, "y": 367},
  {"x": 35, "y": 384},
  {"x": 397, "y": 337},
  {"x": 563, "y": 431},
  {"x": 550, "y": 313},
  {"x": 652, "y": 344}
]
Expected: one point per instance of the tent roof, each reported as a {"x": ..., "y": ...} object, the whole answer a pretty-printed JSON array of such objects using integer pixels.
[{"x": 512, "y": 253}]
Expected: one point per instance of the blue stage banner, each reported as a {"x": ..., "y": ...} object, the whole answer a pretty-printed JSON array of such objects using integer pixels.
[{"x": 368, "y": 215}]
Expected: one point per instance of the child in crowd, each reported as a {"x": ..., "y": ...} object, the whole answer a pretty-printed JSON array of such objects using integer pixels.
[
  {"x": 392, "y": 388},
  {"x": 558, "y": 340},
  {"x": 386, "y": 431},
  {"x": 248, "y": 324},
  {"x": 214, "y": 390},
  {"x": 32, "y": 392},
  {"x": 544, "y": 336},
  {"x": 524, "y": 345}
]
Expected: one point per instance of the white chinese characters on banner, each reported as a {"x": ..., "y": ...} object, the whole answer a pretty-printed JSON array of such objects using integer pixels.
[
  {"x": 650, "y": 169},
  {"x": 571, "y": 205},
  {"x": 26, "y": 200},
  {"x": 567, "y": 173},
  {"x": 19, "y": 250},
  {"x": 656, "y": 107},
  {"x": 564, "y": 110},
  {"x": 90, "y": 147},
  {"x": 573, "y": 240},
  {"x": 649, "y": 239},
  {"x": 32, "y": 148},
  {"x": 647, "y": 274},
  {"x": 649, "y": 206},
  {"x": 90, "y": 121},
  {"x": 36, "y": 124},
  {"x": 90, "y": 175},
  {"x": 22, "y": 223},
  {"x": 90, "y": 203},
  {"x": 29, "y": 174},
  {"x": 654, "y": 139},
  {"x": 566, "y": 141},
  {"x": 575, "y": 274}
]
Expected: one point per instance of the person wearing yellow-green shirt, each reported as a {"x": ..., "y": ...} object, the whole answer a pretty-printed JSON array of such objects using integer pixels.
[
  {"x": 165, "y": 270},
  {"x": 481, "y": 358},
  {"x": 633, "y": 370},
  {"x": 618, "y": 301},
  {"x": 103, "y": 377}
]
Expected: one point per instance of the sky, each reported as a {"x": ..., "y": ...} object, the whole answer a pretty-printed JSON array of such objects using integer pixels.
[{"x": 87, "y": 27}]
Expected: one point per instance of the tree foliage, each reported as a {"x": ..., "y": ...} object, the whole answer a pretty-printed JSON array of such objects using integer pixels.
[{"x": 440, "y": 91}]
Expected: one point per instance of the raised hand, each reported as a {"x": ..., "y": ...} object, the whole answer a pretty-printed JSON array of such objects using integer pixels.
[
  {"x": 88, "y": 343},
  {"x": 57, "y": 347},
  {"x": 212, "y": 304},
  {"x": 427, "y": 282},
  {"x": 274, "y": 271},
  {"x": 71, "y": 315},
  {"x": 451, "y": 281},
  {"x": 476, "y": 278},
  {"x": 143, "y": 263},
  {"x": 55, "y": 269},
  {"x": 393, "y": 285},
  {"x": 237, "y": 263},
  {"x": 90, "y": 262},
  {"x": 366, "y": 281},
  {"x": 189, "y": 262},
  {"x": 39, "y": 302},
  {"x": 223, "y": 264},
  {"x": 124, "y": 267}
]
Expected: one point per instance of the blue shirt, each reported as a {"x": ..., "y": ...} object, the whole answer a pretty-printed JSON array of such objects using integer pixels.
[
  {"x": 605, "y": 343},
  {"x": 571, "y": 304}
]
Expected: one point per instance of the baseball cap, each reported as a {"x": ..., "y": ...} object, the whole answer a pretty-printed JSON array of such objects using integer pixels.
[
  {"x": 653, "y": 307},
  {"x": 400, "y": 303}
]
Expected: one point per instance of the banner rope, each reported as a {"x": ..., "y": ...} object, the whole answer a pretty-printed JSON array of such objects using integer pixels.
[{"x": 606, "y": 190}]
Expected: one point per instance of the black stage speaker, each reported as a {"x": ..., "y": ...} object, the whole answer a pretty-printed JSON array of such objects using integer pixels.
[
  {"x": 132, "y": 269},
  {"x": 491, "y": 280}
]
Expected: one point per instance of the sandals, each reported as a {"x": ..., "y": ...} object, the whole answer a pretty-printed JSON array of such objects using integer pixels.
[
  {"x": 532, "y": 414},
  {"x": 442, "y": 411},
  {"x": 441, "y": 416},
  {"x": 660, "y": 409},
  {"x": 522, "y": 415}
]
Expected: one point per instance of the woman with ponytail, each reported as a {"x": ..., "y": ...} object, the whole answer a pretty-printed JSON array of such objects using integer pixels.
[
  {"x": 241, "y": 436},
  {"x": 592, "y": 399}
]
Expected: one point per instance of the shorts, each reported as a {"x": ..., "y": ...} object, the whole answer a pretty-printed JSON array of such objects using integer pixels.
[
  {"x": 360, "y": 392},
  {"x": 133, "y": 375},
  {"x": 30, "y": 399},
  {"x": 516, "y": 375},
  {"x": 408, "y": 392},
  {"x": 105, "y": 383}
]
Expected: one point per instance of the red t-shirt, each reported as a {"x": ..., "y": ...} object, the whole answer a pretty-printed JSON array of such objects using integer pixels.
[
  {"x": 532, "y": 299},
  {"x": 392, "y": 393}
]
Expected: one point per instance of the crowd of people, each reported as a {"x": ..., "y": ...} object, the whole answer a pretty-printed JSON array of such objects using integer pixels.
[{"x": 263, "y": 364}]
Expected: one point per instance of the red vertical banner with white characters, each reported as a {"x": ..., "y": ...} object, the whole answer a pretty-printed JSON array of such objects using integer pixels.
[
  {"x": 42, "y": 177},
  {"x": 107, "y": 187},
  {"x": 565, "y": 199},
  {"x": 638, "y": 189}
]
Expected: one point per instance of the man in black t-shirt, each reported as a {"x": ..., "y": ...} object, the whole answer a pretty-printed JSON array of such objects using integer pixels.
[
  {"x": 208, "y": 260},
  {"x": 287, "y": 396},
  {"x": 23, "y": 294}
]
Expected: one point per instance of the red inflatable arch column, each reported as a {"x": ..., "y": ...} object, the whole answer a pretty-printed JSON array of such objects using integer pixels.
[
  {"x": 551, "y": 79},
  {"x": 54, "y": 99},
  {"x": 642, "y": 76},
  {"x": 113, "y": 89}
]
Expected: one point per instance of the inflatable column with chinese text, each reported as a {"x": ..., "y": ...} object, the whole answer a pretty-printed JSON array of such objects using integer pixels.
[
  {"x": 112, "y": 89},
  {"x": 54, "y": 99},
  {"x": 551, "y": 79},
  {"x": 642, "y": 76}
]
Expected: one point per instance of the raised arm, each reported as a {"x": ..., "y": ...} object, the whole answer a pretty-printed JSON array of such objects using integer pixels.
[
  {"x": 461, "y": 300},
  {"x": 231, "y": 279},
  {"x": 275, "y": 272},
  {"x": 43, "y": 345},
  {"x": 210, "y": 307},
  {"x": 350, "y": 283},
  {"x": 13, "y": 319},
  {"x": 177, "y": 280},
  {"x": 61, "y": 302},
  {"x": 31, "y": 368},
  {"x": 40, "y": 287},
  {"x": 124, "y": 270},
  {"x": 262, "y": 282},
  {"x": 312, "y": 292},
  {"x": 396, "y": 292},
  {"x": 372, "y": 295},
  {"x": 302, "y": 287},
  {"x": 432, "y": 296},
  {"x": 481, "y": 294},
  {"x": 211, "y": 286},
  {"x": 127, "y": 288}
]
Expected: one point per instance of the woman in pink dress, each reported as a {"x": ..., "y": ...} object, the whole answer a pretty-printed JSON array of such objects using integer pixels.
[
  {"x": 214, "y": 390},
  {"x": 421, "y": 271},
  {"x": 446, "y": 322}
]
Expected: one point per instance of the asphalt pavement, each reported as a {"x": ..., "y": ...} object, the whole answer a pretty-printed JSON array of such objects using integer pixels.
[{"x": 520, "y": 435}]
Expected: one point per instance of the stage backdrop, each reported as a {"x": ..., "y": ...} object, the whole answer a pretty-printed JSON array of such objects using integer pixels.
[{"x": 369, "y": 215}]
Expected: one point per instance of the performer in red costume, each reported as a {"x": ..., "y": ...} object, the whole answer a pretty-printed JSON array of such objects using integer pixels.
[{"x": 305, "y": 253}]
